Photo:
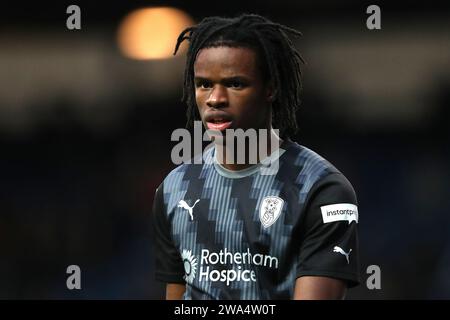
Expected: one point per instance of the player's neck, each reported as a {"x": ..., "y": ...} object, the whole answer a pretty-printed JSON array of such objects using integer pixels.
[{"x": 262, "y": 149}]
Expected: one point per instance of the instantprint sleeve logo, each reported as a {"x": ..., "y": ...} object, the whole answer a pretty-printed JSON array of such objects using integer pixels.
[
  {"x": 270, "y": 210},
  {"x": 339, "y": 212}
]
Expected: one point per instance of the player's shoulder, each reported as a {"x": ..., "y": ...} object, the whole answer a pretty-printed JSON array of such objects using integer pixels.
[
  {"x": 179, "y": 176},
  {"x": 308, "y": 162},
  {"x": 312, "y": 171}
]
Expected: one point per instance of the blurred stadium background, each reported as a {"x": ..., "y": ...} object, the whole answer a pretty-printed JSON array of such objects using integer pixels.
[{"x": 85, "y": 128}]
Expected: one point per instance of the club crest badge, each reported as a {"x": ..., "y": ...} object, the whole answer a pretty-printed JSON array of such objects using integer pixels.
[{"x": 270, "y": 210}]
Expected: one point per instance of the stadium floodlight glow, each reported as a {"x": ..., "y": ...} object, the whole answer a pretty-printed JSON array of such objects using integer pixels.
[{"x": 149, "y": 33}]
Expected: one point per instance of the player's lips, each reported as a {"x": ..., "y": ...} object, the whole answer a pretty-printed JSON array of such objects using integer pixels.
[
  {"x": 219, "y": 126},
  {"x": 218, "y": 121}
]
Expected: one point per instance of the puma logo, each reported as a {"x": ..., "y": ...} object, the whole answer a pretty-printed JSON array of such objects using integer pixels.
[
  {"x": 184, "y": 205},
  {"x": 339, "y": 249}
]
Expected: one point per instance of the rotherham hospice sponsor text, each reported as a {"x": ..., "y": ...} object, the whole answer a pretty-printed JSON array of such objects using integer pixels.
[{"x": 208, "y": 259}]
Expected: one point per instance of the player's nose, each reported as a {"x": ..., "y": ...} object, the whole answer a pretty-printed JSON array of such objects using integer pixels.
[{"x": 218, "y": 98}]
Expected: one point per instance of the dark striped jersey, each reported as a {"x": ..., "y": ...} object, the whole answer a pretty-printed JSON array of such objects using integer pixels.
[{"x": 249, "y": 235}]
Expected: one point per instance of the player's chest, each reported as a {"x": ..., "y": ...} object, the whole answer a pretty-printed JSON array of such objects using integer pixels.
[{"x": 234, "y": 210}]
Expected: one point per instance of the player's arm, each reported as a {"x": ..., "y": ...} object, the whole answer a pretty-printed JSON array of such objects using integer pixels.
[
  {"x": 168, "y": 264},
  {"x": 175, "y": 291},
  {"x": 319, "y": 288},
  {"x": 328, "y": 261}
]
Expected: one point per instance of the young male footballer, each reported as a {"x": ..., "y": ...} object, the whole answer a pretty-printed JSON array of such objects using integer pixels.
[{"x": 227, "y": 229}]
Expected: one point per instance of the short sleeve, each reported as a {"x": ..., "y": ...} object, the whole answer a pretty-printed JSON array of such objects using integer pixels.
[
  {"x": 329, "y": 245},
  {"x": 168, "y": 264}
]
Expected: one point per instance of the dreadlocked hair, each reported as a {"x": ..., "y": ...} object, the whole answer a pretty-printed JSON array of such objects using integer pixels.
[{"x": 279, "y": 61}]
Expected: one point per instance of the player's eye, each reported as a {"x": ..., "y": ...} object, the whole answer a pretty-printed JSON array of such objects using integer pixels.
[
  {"x": 236, "y": 84},
  {"x": 204, "y": 84}
]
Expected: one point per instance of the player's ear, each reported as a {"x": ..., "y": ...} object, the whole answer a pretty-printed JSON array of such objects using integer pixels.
[{"x": 270, "y": 92}]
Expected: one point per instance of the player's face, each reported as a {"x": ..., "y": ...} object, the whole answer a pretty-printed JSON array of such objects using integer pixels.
[{"x": 229, "y": 89}]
